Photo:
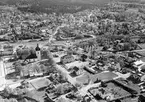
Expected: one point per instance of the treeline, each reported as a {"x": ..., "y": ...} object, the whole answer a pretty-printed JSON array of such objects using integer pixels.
[
  {"x": 129, "y": 1},
  {"x": 55, "y": 8}
]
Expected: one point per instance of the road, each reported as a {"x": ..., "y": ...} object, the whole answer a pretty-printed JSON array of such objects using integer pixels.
[
  {"x": 43, "y": 43},
  {"x": 139, "y": 50},
  {"x": 66, "y": 74},
  {"x": 56, "y": 31},
  {"x": 83, "y": 91}
]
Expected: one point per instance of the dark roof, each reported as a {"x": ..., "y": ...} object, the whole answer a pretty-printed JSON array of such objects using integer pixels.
[
  {"x": 37, "y": 48},
  {"x": 31, "y": 56},
  {"x": 76, "y": 68},
  {"x": 67, "y": 56}
]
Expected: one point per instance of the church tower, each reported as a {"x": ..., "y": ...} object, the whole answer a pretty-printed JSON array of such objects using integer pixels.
[{"x": 38, "y": 53}]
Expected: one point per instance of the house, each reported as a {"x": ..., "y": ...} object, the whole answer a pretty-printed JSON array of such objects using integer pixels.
[
  {"x": 1, "y": 49},
  {"x": 114, "y": 91},
  {"x": 6, "y": 49}
]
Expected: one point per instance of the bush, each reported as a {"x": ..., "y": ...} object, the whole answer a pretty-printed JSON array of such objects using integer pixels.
[{"x": 17, "y": 95}]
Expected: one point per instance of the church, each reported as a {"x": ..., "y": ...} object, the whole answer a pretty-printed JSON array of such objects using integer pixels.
[{"x": 29, "y": 54}]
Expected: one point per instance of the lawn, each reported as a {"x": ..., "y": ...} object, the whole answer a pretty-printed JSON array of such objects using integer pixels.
[
  {"x": 104, "y": 76},
  {"x": 100, "y": 76}
]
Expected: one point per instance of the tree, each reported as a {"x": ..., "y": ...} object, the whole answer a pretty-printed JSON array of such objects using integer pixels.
[
  {"x": 19, "y": 53},
  {"x": 45, "y": 54},
  {"x": 133, "y": 45},
  {"x": 120, "y": 60},
  {"x": 127, "y": 46},
  {"x": 7, "y": 91},
  {"x": 61, "y": 77},
  {"x": 49, "y": 63},
  {"x": 23, "y": 53},
  {"x": 17, "y": 66},
  {"x": 32, "y": 50},
  {"x": 63, "y": 88},
  {"x": 43, "y": 68}
]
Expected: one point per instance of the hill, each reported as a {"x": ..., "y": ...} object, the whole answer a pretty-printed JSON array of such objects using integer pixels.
[
  {"x": 13, "y": 2},
  {"x": 58, "y": 6},
  {"x": 57, "y": 1}
]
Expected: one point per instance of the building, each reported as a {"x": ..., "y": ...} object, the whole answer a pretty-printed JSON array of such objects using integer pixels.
[
  {"x": 1, "y": 49},
  {"x": 38, "y": 52},
  {"x": 2, "y": 74},
  {"x": 6, "y": 50},
  {"x": 114, "y": 91}
]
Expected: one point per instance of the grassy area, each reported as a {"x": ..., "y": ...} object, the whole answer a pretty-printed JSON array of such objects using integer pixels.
[
  {"x": 101, "y": 76},
  {"x": 142, "y": 46},
  {"x": 38, "y": 95}
]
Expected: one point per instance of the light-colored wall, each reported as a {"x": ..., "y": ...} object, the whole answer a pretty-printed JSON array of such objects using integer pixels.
[
  {"x": 2, "y": 74},
  {"x": 38, "y": 54}
]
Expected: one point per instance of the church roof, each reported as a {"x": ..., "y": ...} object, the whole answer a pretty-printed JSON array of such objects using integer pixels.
[{"x": 37, "y": 48}]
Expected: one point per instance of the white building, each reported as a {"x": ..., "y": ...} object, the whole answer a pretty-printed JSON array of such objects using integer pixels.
[
  {"x": 2, "y": 74},
  {"x": 1, "y": 48}
]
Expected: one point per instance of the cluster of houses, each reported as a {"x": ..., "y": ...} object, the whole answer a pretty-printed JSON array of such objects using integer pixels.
[{"x": 98, "y": 68}]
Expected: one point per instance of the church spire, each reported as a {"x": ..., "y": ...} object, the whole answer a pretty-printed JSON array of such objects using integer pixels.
[{"x": 37, "y": 48}]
